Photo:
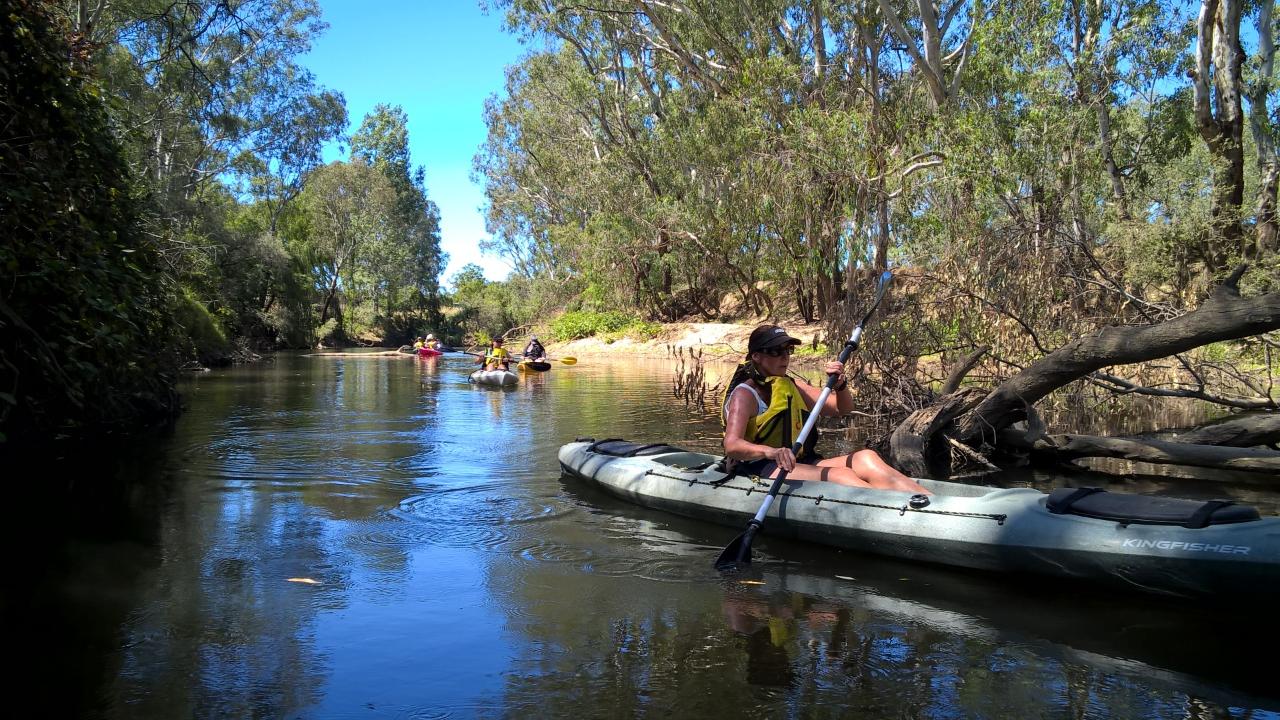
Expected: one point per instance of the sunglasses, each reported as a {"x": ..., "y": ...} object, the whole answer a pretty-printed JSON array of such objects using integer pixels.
[{"x": 779, "y": 351}]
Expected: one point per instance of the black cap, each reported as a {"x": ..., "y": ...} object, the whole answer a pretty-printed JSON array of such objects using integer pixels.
[{"x": 769, "y": 336}]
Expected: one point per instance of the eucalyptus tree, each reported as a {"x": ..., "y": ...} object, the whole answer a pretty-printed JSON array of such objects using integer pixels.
[
  {"x": 352, "y": 212},
  {"x": 658, "y": 84},
  {"x": 413, "y": 259},
  {"x": 1261, "y": 90},
  {"x": 209, "y": 94},
  {"x": 1217, "y": 80},
  {"x": 197, "y": 84}
]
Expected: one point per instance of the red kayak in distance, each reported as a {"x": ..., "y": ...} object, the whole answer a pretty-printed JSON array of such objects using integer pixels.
[{"x": 428, "y": 352}]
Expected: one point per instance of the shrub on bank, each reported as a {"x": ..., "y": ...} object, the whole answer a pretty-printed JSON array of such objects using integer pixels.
[{"x": 608, "y": 326}]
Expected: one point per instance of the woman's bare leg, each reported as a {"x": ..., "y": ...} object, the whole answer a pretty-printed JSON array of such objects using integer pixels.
[
  {"x": 838, "y": 475},
  {"x": 871, "y": 470}
]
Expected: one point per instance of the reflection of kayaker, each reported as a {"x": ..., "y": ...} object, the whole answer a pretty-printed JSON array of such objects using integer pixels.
[{"x": 773, "y": 629}]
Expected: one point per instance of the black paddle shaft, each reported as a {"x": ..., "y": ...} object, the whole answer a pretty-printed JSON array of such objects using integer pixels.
[{"x": 737, "y": 554}]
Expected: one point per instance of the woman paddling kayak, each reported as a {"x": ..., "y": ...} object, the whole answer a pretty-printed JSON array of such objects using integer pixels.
[{"x": 764, "y": 410}]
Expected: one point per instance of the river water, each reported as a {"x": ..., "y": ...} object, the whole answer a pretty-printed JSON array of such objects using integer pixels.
[{"x": 376, "y": 538}]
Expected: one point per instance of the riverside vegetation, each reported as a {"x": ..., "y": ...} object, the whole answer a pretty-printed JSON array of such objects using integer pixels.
[{"x": 1035, "y": 173}]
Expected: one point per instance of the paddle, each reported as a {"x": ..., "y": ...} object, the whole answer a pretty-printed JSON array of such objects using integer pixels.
[
  {"x": 566, "y": 360},
  {"x": 737, "y": 554},
  {"x": 510, "y": 358}
]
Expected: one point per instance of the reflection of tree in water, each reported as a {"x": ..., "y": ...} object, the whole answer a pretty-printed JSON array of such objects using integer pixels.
[{"x": 215, "y": 629}]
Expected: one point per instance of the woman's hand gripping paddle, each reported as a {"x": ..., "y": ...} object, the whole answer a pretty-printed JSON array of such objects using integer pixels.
[{"x": 737, "y": 554}]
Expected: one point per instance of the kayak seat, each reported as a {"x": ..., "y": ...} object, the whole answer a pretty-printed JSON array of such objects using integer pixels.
[
  {"x": 618, "y": 447},
  {"x": 1147, "y": 510},
  {"x": 688, "y": 461}
]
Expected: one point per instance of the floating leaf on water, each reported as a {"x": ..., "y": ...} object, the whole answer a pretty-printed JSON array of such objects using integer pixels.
[{"x": 307, "y": 581}]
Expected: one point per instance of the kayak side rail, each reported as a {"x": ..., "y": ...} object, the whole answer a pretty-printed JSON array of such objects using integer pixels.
[{"x": 754, "y": 485}]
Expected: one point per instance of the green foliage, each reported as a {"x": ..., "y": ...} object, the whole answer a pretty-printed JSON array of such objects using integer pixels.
[
  {"x": 1215, "y": 352},
  {"x": 205, "y": 332},
  {"x": 410, "y": 261},
  {"x": 483, "y": 309},
  {"x": 327, "y": 331},
  {"x": 1042, "y": 170},
  {"x": 85, "y": 336},
  {"x": 584, "y": 323},
  {"x": 814, "y": 351}
]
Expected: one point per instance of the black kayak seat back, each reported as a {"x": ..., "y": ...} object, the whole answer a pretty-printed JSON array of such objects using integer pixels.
[
  {"x": 1147, "y": 509},
  {"x": 618, "y": 447}
]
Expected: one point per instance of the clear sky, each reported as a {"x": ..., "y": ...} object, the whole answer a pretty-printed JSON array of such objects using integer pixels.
[{"x": 439, "y": 60}]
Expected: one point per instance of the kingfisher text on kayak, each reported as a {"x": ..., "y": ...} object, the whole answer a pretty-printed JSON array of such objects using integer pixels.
[{"x": 1190, "y": 547}]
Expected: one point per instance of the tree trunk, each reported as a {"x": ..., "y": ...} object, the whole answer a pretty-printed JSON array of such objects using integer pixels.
[
  {"x": 1268, "y": 237},
  {"x": 1249, "y": 430},
  {"x": 918, "y": 446},
  {"x": 1224, "y": 316},
  {"x": 1264, "y": 136},
  {"x": 1072, "y": 447},
  {"x": 1220, "y": 120}
]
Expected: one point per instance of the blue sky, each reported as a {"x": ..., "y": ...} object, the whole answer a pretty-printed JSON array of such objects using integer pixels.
[{"x": 438, "y": 60}]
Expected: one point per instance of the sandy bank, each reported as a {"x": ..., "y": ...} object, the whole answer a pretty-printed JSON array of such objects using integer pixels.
[{"x": 717, "y": 341}]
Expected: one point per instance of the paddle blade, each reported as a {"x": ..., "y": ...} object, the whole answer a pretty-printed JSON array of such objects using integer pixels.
[
  {"x": 569, "y": 360},
  {"x": 737, "y": 554}
]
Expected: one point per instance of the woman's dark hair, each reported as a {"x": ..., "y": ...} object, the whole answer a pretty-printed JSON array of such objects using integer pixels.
[{"x": 747, "y": 370}]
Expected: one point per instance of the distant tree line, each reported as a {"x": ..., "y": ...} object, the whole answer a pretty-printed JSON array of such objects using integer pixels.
[{"x": 168, "y": 203}]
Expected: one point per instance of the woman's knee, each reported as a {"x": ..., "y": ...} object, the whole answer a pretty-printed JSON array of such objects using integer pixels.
[{"x": 866, "y": 461}]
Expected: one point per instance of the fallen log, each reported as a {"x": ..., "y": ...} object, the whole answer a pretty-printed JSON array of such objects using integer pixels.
[
  {"x": 1249, "y": 430},
  {"x": 1160, "y": 452},
  {"x": 918, "y": 445},
  {"x": 384, "y": 353},
  {"x": 1225, "y": 315}
]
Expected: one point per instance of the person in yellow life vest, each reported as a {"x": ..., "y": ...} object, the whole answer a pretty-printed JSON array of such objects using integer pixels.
[
  {"x": 764, "y": 410},
  {"x": 431, "y": 342},
  {"x": 497, "y": 358},
  {"x": 417, "y": 344}
]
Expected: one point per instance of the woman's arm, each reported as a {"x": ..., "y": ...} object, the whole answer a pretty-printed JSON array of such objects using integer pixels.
[{"x": 839, "y": 402}]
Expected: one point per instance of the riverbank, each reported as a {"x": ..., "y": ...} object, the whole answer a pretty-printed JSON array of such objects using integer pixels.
[{"x": 717, "y": 341}]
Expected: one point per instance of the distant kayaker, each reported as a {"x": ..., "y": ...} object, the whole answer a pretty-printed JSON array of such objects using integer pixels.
[
  {"x": 431, "y": 342},
  {"x": 418, "y": 344},
  {"x": 497, "y": 358},
  {"x": 764, "y": 410},
  {"x": 534, "y": 351}
]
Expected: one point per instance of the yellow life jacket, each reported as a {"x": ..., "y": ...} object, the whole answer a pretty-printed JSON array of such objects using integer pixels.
[
  {"x": 497, "y": 355},
  {"x": 780, "y": 424}
]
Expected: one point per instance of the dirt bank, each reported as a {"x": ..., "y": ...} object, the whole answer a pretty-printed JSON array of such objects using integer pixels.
[{"x": 723, "y": 341}]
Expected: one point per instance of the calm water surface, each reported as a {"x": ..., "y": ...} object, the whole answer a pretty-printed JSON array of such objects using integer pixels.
[{"x": 375, "y": 538}]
